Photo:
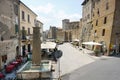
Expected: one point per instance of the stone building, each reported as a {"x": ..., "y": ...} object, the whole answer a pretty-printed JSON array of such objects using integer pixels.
[
  {"x": 8, "y": 30},
  {"x": 71, "y": 30},
  {"x": 27, "y": 22},
  {"x": 65, "y": 23},
  {"x": 74, "y": 27},
  {"x": 60, "y": 34},
  {"x": 52, "y": 32},
  {"x": 45, "y": 35},
  {"x": 86, "y": 20},
  {"x": 105, "y": 22}
]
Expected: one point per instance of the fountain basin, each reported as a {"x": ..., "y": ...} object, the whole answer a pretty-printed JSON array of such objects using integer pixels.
[{"x": 30, "y": 71}]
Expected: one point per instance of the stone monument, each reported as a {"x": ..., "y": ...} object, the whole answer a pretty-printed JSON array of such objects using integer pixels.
[
  {"x": 36, "y": 54},
  {"x": 37, "y": 68}
]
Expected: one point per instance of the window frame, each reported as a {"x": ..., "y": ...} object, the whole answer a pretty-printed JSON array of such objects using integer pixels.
[
  {"x": 103, "y": 32},
  {"x": 23, "y": 15},
  {"x": 28, "y": 18},
  {"x": 28, "y": 31},
  {"x": 105, "y": 20},
  {"x": 96, "y": 22}
]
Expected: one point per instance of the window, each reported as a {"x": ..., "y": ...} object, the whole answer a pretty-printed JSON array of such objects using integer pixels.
[
  {"x": 107, "y": 6},
  {"x": 95, "y": 33},
  {"x": 28, "y": 30},
  {"x": 16, "y": 28},
  {"x": 105, "y": 20},
  {"x": 28, "y": 18},
  {"x": 4, "y": 58},
  {"x": 23, "y": 28},
  {"x": 23, "y": 33},
  {"x": 103, "y": 32},
  {"x": 23, "y": 15},
  {"x": 98, "y": 12},
  {"x": 96, "y": 22},
  {"x": 92, "y": 27},
  {"x": 2, "y": 39}
]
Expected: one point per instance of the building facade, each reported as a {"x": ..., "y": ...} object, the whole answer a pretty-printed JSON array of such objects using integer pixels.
[
  {"x": 8, "y": 30},
  {"x": 65, "y": 23},
  {"x": 27, "y": 22},
  {"x": 60, "y": 34},
  {"x": 74, "y": 27},
  {"x": 86, "y": 20},
  {"x": 52, "y": 32},
  {"x": 105, "y": 24},
  {"x": 71, "y": 31}
]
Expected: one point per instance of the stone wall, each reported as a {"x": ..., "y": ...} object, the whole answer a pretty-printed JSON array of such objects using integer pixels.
[
  {"x": 8, "y": 32},
  {"x": 8, "y": 18},
  {"x": 8, "y": 47},
  {"x": 103, "y": 9},
  {"x": 60, "y": 34}
]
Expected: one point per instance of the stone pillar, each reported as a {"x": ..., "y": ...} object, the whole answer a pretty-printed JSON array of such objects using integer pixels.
[{"x": 36, "y": 55}]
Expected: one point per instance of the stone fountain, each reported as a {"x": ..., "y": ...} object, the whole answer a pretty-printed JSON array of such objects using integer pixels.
[{"x": 37, "y": 68}]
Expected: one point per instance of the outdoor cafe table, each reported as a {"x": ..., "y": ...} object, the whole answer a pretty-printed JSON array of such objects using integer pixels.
[
  {"x": 9, "y": 68},
  {"x": 2, "y": 75}
]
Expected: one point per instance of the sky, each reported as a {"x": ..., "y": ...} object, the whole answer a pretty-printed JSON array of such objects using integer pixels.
[{"x": 52, "y": 12}]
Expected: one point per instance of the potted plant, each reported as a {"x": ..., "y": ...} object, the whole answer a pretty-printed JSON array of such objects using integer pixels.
[{"x": 97, "y": 52}]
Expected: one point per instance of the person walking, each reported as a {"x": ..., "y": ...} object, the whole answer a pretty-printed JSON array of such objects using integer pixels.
[{"x": 5, "y": 65}]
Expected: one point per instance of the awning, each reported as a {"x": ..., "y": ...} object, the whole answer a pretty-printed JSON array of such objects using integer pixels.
[
  {"x": 48, "y": 45},
  {"x": 91, "y": 43},
  {"x": 76, "y": 40}
]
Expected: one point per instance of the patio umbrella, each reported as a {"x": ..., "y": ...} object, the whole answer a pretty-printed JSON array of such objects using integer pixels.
[
  {"x": 91, "y": 43},
  {"x": 76, "y": 40},
  {"x": 48, "y": 45}
]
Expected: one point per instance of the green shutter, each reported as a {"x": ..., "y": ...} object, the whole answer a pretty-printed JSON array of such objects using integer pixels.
[{"x": 16, "y": 28}]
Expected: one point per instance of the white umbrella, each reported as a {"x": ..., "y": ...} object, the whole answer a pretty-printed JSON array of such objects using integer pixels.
[
  {"x": 91, "y": 43},
  {"x": 76, "y": 40},
  {"x": 48, "y": 45}
]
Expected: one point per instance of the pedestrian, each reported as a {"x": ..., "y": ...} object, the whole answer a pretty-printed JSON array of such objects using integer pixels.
[
  {"x": 114, "y": 48},
  {"x": 5, "y": 65}
]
